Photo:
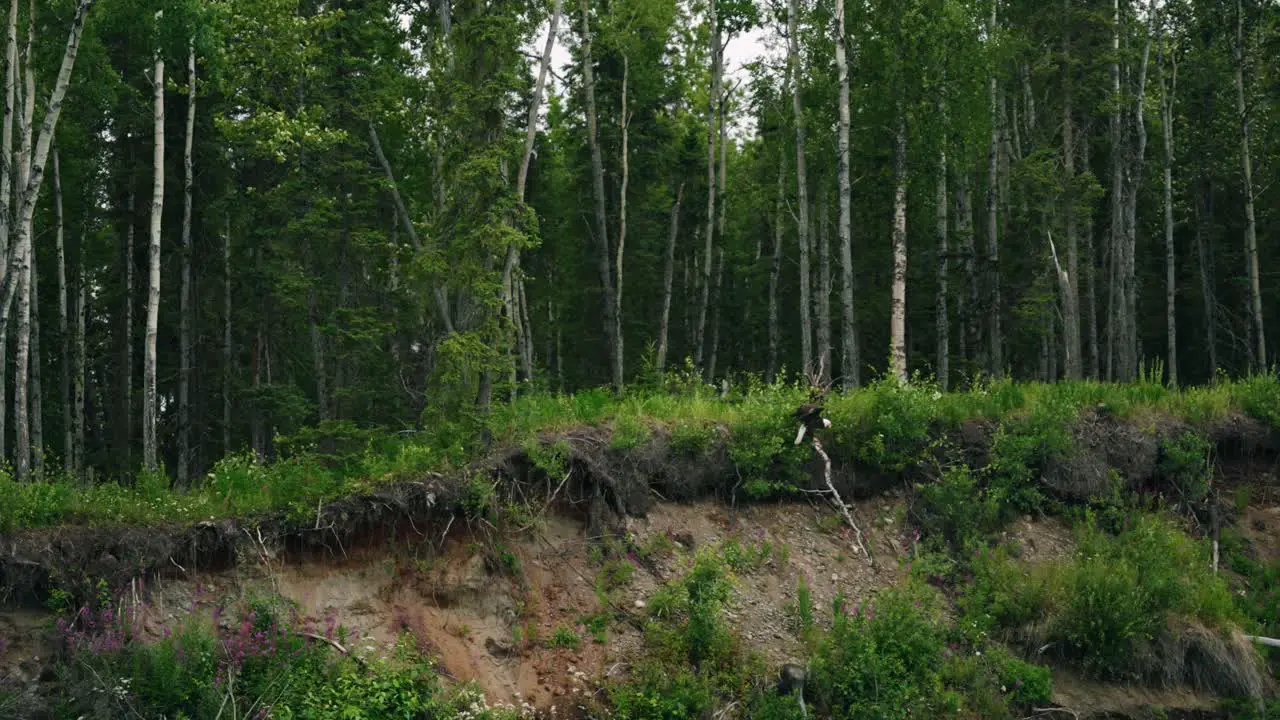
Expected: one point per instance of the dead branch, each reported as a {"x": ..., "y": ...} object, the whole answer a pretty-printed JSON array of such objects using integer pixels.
[{"x": 835, "y": 498}]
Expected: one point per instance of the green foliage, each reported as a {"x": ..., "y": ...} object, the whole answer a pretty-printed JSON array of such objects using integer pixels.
[
  {"x": 660, "y": 693},
  {"x": 745, "y": 558},
  {"x": 890, "y": 658},
  {"x": 881, "y": 660},
  {"x": 695, "y": 601},
  {"x": 1186, "y": 465},
  {"x": 565, "y": 638},
  {"x": 1106, "y": 606},
  {"x": 957, "y": 511}
]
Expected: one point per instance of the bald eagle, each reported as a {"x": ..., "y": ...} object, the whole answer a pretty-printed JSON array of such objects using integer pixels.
[{"x": 810, "y": 419}]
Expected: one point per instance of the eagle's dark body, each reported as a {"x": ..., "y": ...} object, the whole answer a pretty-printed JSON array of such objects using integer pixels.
[{"x": 810, "y": 418}]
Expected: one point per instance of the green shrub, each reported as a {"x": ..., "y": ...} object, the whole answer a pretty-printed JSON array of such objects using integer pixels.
[
  {"x": 1003, "y": 593},
  {"x": 1185, "y": 464},
  {"x": 881, "y": 660},
  {"x": 566, "y": 638},
  {"x": 955, "y": 510},
  {"x": 1118, "y": 593},
  {"x": 691, "y": 437},
  {"x": 661, "y": 693}
]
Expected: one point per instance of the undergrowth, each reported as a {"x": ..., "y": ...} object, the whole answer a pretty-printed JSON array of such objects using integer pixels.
[{"x": 884, "y": 428}]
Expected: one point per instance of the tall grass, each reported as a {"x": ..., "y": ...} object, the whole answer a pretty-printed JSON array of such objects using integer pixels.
[{"x": 885, "y": 425}]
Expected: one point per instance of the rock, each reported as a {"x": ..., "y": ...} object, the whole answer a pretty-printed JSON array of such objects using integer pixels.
[{"x": 639, "y": 604}]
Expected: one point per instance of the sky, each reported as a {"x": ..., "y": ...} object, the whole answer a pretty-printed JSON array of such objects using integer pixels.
[{"x": 742, "y": 49}]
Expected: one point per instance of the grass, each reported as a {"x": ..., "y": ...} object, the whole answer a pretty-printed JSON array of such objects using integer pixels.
[{"x": 883, "y": 426}]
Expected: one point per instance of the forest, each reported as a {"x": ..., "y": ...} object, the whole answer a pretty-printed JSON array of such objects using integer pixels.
[
  {"x": 445, "y": 359},
  {"x": 226, "y": 221}
]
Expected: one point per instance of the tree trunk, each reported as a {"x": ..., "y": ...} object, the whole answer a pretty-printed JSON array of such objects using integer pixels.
[
  {"x": 850, "y": 361},
  {"x": 64, "y": 335},
  {"x": 824, "y": 286},
  {"x": 775, "y": 269},
  {"x": 22, "y": 371},
  {"x": 150, "y": 406},
  {"x": 1116, "y": 322},
  {"x": 1170, "y": 274},
  {"x": 721, "y": 191},
  {"x": 37, "y": 385},
  {"x": 81, "y": 356},
  {"x": 597, "y": 181},
  {"x": 668, "y": 269},
  {"x": 802, "y": 189},
  {"x": 34, "y": 157},
  {"x": 713, "y": 105},
  {"x": 6, "y": 155},
  {"x": 715, "y": 315},
  {"x": 942, "y": 322},
  {"x": 967, "y": 297},
  {"x": 995, "y": 357},
  {"x": 184, "y": 309},
  {"x": 438, "y": 292},
  {"x": 1250, "y": 222},
  {"x": 21, "y": 426},
  {"x": 1091, "y": 290},
  {"x": 1204, "y": 210},
  {"x": 1071, "y": 289},
  {"x": 623, "y": 122},
  {"x": 898, "y": 305},
  {"x": 226, "y": 335},
  {"x": 1130, "y": 351},
  {"x": 33, "y": 160},
  {"x": 525, "y": 343}
]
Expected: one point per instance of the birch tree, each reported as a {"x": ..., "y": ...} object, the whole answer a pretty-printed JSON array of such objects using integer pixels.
[
  {"x": 1070, "y": 291},
  {"x": 713, "y": 105},
  {"x": 1250, "y": 220},
  {"x": 624, "y": 120},
  {"x": 850, "y": 361},
  {"x": 775, "y": 268},
  {"x": 898, "y": 303},
  {"x": 995, "y": 356},
  {"x": 942, "y": 323},
  {"x": 668, "y": 270},
  {"x": 597, "y": 184},
  {"x": 802, "y": 189},
  {"x": 150, "y": 406},
  {"x": 184, "y": 309},
  {"x": 1170, "y": 276},
  {"x": 64, "y": 329}
]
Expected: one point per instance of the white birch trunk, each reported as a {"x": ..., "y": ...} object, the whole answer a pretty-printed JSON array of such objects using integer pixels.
[
  {"x": 1071, "y": 291},
  {"x": 668, "y": 270},
  {"x": 1116, "y": 320},
  {"x": 713, "y": 102},
  {"x": 597, "y": 182},
  {"x": 714, "y": 344},
  {"x": 1250, "y": 221},
  {"x": 80, "y": 362},
  {"x": 512, "y": 262},
  {"x": 150, "y": 406},
  {"x": 898, "y": 306},
  {"x": 1170, "y": 256},
  {"x": 30, "y": 177},
  {"x": 942, "y": 323},
  {"x": 802, "y": 189},
  {"x": 623, "y": 123},
  {"x": 775, "y": 269},
  {"x": 995, "y": 356},
  {"x": 226, "y": 335},
  {"x": 849, "y": 365},
  {"x": 64, "y": 363},
  {"x": 184, "y": 309}
]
